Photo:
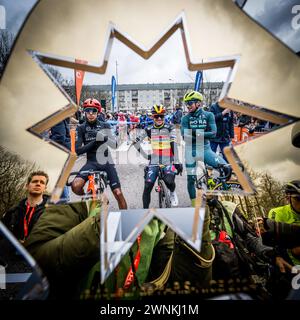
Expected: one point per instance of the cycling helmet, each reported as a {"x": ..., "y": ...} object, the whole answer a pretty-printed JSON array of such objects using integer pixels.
[
  {"x": 193, "y": 96},
  {"x": 92, "y": 103},
  {"x": 293, "y": 187},
  {"x": 158, "y": 109}
]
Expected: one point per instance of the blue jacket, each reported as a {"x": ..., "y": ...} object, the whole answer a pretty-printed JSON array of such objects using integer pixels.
[
  {"x": 225, "y": 128},
  {"x": 60, "y": 133},
  {"x": 177, "y": 115}
]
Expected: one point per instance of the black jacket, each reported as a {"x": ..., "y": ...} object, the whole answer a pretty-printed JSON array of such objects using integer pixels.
[
  {"x": 281, "y": 234},
  {"x": 225, "y": 128},
  {"x": 14, "y": 217}
]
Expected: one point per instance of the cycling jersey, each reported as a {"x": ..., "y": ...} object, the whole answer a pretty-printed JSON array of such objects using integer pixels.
[
  {"x": 195, "y": 126},
  {"x": 196, "y": 121},
  {"x": 97, "y": 153},
  {"x": 162, "y": 142},
  {"x": 164, "y": 152},
  {"x": 86, "y": 140},
  {"x": 288, "y": 215}
]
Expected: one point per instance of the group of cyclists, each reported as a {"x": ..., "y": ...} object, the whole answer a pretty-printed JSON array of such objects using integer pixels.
[{"x": 198, "y": 126}]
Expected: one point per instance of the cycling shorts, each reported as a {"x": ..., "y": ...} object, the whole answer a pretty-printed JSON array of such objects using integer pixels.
[
  {"x": 109, "y": 168},
  {"x": 152, "y": 171}
]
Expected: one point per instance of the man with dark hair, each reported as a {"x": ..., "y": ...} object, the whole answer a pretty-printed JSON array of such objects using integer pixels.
[
  {"x": 21, "y": 218},
  {"x": 176, "y": 119},
  {"x": 225, "y": 128}
]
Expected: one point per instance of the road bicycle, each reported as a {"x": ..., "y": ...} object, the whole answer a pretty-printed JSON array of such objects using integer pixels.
[
  {"x": 164, "y": 199},
  {"x": 96, "y": 184}
]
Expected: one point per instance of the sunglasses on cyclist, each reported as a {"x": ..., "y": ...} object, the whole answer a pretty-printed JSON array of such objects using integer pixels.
[
  {"x": 296, "y": 197},
  {"x": 90, "y": 110},
  {"x": 190, "y": 103},
  {"x": 157, "y": 116}
]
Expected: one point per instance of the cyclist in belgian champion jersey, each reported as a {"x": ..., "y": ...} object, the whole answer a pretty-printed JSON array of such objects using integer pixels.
[
  {"x": 164, "y": 153},
  {"x": 197, "y": 128},
  {"x": 93, "y": 138}
]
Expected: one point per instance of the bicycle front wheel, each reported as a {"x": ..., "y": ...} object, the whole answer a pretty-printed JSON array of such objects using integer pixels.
[{"x": 163, "y": 195}]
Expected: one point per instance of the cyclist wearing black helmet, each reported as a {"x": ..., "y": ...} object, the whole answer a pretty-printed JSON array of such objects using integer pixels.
[
  {"x": 197, "y": 128},
  {"x": 290, "y": 214},
  {"x": 164, "y": 152}
]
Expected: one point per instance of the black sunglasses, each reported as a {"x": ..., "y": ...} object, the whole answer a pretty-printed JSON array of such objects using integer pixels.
[
  {"x": 158, "y": 116},
  {"x": 296, "y": 197},
  {"x": 190, "y": 103},
  {"x": 90, "y": 110}
]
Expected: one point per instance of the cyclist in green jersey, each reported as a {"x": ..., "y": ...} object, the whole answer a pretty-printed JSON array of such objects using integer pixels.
[{"x": 197, "y": 128}]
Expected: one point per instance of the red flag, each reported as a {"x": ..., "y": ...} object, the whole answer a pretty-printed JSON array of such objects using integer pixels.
[{"x": 79, "y": 74}]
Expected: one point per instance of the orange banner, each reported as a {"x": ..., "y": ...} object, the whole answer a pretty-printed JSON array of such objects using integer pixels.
[{"x": 79, "y": 75}]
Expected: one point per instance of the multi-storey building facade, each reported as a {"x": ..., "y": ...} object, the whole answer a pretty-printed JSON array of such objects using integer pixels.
[{"x": 141, "y": 97}]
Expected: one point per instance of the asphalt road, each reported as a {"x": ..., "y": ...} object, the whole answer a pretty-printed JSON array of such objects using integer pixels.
[{"x": 130, "y": 167}]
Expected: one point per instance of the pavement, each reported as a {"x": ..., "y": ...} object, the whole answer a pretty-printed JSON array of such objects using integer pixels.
[{"x": 130, "y": 167}]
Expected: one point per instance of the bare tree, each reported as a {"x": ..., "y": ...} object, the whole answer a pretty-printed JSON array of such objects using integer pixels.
[
  {"x": 13, "y": 177},
  {"x": 6, "y": 42},
  {"x": 269, "y": 194},
  {"x": 67, "y": 84}
]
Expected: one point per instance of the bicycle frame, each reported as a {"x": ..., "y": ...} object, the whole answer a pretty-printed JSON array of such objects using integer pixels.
[
  {"x": 97, "y": 182},
  {"x": 161, "y": 188},
  {"x": 215, "y": 184},
  {"x": 91, "y": 186}
]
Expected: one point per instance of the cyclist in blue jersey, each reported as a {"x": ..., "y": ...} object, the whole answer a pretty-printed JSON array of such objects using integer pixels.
[{"x": 197, "y": 128}]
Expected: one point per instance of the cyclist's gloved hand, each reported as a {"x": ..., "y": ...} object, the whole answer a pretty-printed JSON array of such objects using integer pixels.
[
  {"x": 100, "y": 136},
  {"x": 178, "y": 167}
]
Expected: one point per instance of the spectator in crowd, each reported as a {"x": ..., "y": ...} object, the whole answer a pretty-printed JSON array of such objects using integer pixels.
[
  {"x": 225, "y": 128},
  {"x": 21, "y": 218},
  {"x": 60, "y": 133},
  {"x": 176, "y": 120},
  {"x": 242, "y": 120},
  {"x": 290, "y": 214}
]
